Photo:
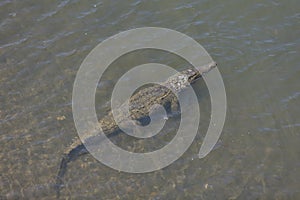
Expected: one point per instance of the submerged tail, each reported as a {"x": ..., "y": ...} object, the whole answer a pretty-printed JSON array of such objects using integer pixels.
[
  {"x": 61, "y": 172},
  {"x": 76, "y": 149}
]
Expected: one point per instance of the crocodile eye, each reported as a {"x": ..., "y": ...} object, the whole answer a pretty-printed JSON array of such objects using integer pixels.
[{"x": 192, "y": 77}]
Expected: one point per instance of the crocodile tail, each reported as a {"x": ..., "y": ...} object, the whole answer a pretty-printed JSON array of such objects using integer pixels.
[
  {"x": 61, "y": 172},
  {"x": 75, "y": 150}
]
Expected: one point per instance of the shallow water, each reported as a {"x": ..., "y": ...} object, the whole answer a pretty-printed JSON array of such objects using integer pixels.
[{"x": 256, "y": 46}]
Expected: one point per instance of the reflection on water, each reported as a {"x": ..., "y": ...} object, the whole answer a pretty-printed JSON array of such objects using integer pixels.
[{"x": 256, "y": 45}]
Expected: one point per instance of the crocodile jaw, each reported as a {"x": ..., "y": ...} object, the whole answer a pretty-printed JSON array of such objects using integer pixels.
[{"x": 206, "y": 68}]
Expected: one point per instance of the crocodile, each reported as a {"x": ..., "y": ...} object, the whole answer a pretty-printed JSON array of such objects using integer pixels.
[{"x": 140, "y": 105}]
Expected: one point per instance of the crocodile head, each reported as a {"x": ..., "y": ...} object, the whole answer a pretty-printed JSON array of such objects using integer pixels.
[
  {"x": 189, "y": 76},
  {"x": 194, "y": 74}
]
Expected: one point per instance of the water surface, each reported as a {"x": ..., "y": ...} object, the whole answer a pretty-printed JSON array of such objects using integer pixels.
[{"x": 256, "y": 45}]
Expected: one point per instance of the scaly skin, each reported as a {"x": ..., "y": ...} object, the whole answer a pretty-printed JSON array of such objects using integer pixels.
[{"x": 139, "y": 106}]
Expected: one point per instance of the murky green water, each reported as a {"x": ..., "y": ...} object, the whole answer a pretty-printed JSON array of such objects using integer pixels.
[{"x": 256, "y": 44}]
